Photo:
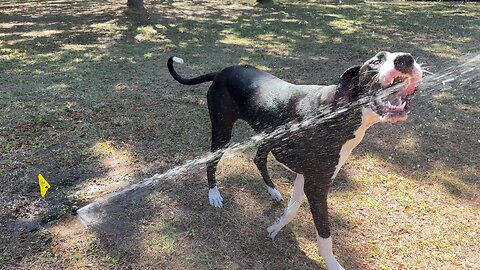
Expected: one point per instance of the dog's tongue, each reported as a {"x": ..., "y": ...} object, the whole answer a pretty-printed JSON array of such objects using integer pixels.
[{"x": 412, "y": 85}]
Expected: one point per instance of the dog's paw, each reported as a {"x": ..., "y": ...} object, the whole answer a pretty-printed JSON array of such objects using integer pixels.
[
  {"x": 276, "y": 195},
  {"x": 215, "y": 198},
  {"x": 273, "y": 230}
]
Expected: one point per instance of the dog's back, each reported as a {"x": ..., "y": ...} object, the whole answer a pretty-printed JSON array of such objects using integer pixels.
[{"x": 263, "y": 100}]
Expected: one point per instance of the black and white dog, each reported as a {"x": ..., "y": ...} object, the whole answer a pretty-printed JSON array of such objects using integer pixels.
[{"x": 378, "y": 91}]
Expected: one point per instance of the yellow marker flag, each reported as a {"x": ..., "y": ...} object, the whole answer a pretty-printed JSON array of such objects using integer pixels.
[{"x": 44, "y": 185}]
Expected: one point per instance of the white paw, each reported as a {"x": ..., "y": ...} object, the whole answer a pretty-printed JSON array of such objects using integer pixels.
[
  {"x": 276, "y": 195},
  {"x": 215, "y": 198},
  {"x": 274, "y": 229}
]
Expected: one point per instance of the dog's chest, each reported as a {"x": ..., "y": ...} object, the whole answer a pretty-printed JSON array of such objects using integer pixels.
[
  {"x": 368, "y": 119},
  {"x": 347, "y": 148},
  {"x": 316, "y": 149}
]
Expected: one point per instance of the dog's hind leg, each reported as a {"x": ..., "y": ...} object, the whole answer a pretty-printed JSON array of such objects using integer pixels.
[
  {"x": 223, "y": 118},
  {"x": 261, "y": 162},
  {"x": 221, "y": 135},
  {"x": 293, "y": 205}
]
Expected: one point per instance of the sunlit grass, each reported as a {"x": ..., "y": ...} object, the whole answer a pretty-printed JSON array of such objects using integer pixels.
[{"x": 345, "y": 26}]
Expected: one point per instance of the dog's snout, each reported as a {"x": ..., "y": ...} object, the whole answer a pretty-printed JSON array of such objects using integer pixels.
[{"x": 404, "y": 63}]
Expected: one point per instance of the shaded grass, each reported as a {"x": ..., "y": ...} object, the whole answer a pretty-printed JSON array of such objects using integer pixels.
[{"x": 85, "y": 99}]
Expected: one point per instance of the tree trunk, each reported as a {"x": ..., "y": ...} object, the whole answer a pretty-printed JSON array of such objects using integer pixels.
[
  {"x": 264, "y": 3},
  {"x": 135, "y": 3}
]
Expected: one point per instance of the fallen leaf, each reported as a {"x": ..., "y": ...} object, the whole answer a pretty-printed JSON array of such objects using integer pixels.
[
  {"x": 55, "y": 231},
  {"x": 55, "y": 249}
]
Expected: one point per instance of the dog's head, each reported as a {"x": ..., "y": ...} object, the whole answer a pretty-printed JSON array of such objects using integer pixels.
[{"x": 387, "y": 81}]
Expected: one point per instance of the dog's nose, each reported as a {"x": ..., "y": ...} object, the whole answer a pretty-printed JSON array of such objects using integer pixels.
[{"x": 404, "y": 63}]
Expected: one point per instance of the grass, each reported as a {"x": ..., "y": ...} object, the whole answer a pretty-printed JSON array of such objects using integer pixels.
[{"x": 86, "y": 100}]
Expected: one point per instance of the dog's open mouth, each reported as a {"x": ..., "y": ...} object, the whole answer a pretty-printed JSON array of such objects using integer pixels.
[{"x": 395, "y": 97}]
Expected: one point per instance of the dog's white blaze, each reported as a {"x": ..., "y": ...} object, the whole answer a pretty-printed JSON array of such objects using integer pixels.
[
  {"x": 276, "y": 195},
  {"x": 293, "y": 205},
  {"x": 369, "y": 117},
  {"x": 325, "y": 250},
  {"x": 215, "y": 198},
  {"x": 387, "y": 72},
  {"x": 177, "y": 60},
  {"x": 387, "y": 68}
]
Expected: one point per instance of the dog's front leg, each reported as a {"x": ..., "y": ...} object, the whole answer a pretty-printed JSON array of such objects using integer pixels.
[
  {"x": 317, "y": 198},
  {"x": 292, "y": 209}
]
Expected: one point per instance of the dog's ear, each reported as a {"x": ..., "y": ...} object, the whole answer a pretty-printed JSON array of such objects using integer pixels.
[{"x": 348, "y": 83}]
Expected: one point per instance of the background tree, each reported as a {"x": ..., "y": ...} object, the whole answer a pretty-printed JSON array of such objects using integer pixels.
[
  {"x": 135, "y": 3},
  {"x": 264, "y": 1}
]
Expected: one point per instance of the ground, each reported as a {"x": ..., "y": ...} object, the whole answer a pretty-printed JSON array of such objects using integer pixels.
[{"x": 86, "y": 100}]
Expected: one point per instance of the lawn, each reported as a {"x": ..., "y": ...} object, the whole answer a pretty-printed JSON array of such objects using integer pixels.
[{"x": 86, "y": 100}]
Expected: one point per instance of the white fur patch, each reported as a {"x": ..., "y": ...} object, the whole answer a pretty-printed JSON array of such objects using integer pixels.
[
  {"x": 293, "y": 205},
  {"x": 297, "y": 193},
  {"x": 325, "y": 250},
  {"x": 215, "y": 198},
  {"x": 276, "y": 195},
  {"x": 177, "y": 60},
  {"x": 369, "y": 117},
  {"x": 387, "y": 72}
]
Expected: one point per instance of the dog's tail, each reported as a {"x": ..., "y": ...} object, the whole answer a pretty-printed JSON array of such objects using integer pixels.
[{"x": 200, "y": 79}]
